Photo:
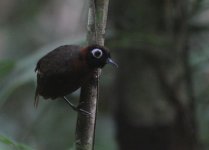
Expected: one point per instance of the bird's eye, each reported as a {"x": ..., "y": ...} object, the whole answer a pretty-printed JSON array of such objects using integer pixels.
[{"x": 97, "y": 53}]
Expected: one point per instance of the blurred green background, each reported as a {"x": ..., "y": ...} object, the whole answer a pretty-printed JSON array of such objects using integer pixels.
[{"x": 156, "y": 100}]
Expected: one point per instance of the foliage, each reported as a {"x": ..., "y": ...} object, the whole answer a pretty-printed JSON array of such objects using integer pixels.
[{"x": 12, "y": 145}]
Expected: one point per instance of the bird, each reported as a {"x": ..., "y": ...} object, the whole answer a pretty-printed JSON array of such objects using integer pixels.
[{"x": 66, "y": 68}]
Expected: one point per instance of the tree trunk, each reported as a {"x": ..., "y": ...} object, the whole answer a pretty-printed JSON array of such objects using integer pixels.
[{"x": 155, "y": 107}]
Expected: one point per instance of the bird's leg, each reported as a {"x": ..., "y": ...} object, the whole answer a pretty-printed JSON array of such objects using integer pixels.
[{"x": 76, "y": 108}]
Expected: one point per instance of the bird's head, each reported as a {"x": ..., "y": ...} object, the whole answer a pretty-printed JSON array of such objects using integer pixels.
[{"x": 98, "y": 56}]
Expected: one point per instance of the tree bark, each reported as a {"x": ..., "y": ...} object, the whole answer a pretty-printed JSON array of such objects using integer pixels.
[{"x": 86, "y": 124}]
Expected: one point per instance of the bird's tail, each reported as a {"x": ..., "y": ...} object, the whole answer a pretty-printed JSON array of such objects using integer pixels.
[{"x": 36, "y": 99}]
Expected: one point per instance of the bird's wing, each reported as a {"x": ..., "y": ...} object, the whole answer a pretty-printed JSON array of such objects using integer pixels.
[
  {"x": 57, "y": 63},
  {"x": 58, "y": 60}
]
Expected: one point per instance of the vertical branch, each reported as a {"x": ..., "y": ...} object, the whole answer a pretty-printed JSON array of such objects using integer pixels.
[
  {"x": 86, "y": 124},
  {"x": 91, "y": 26},
  {"x": 101, "y": 19}
]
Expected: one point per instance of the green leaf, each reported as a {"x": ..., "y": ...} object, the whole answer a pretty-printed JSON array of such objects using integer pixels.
[
  {"x": 22, "y": 147},
  {"x": 17, "y": 146},
  {"x": 6, "y": 140},
  {"x": 5, "y": 67}
]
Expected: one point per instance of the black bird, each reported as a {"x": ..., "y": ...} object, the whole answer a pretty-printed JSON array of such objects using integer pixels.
[{"x": 65, "y": 69}]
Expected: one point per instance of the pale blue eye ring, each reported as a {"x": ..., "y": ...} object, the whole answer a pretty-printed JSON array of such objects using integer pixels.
[{"x": 97, "y": 53}]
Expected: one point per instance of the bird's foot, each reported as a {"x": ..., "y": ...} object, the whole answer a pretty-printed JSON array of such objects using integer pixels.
[{"x": 77, "y": 108}]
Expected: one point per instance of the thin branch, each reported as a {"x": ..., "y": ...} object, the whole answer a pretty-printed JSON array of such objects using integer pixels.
[{"x": 86, "y": 124}]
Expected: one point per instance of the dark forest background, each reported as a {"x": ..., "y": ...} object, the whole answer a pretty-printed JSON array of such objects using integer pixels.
[{"x": 158, "y": 98}]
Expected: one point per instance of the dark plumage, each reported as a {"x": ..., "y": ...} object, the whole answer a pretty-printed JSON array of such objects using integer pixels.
[{"x": 65, "y": 69}]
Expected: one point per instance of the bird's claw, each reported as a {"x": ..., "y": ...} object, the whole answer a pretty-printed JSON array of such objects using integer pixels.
[
  {"x": 82, "y": 111},
  {"x": 77, "y": 108}
]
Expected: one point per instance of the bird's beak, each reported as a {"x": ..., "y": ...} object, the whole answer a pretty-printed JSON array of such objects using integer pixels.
[{"x": 110, "y": 61}]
